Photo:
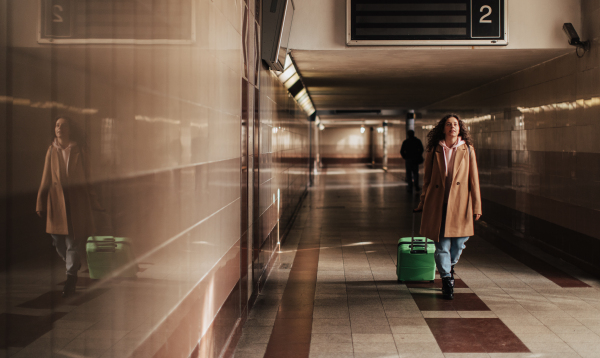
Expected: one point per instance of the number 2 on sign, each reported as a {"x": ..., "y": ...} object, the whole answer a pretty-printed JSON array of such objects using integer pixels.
[
  {"x": 57, "y": 17},
  {"x": 489, "y": 9}
]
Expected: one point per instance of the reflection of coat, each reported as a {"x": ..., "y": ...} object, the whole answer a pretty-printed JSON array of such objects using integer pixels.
[
  {"x": 464, "y": 200},
  {"x": 56, "y": 184}
]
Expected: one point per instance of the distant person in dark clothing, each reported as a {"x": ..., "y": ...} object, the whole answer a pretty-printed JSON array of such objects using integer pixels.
[{"x": 412, "y": 153}]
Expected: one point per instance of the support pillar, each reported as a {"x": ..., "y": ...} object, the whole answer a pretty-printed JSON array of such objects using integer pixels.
[
  {"x": 372, "y": 142},
  {"x": 410, "y": 120},
  {"x": 312, "y": 148},
  {"x": 385, "y": 140}
]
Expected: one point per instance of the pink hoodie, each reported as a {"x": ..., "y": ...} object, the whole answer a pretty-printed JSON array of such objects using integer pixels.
[
  {"x": 66, "y": 152},
  {"x": 449, "y": 156}
]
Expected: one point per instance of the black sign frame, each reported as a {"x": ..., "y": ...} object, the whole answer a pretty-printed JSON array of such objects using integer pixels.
[
  {"x": 63, "y": 32},
  {"x": 463, "y": 22}
]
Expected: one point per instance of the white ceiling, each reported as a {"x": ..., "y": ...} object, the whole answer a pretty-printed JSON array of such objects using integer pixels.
[
  {"x": 343, "y": 77},
  {"x": 405, "y": 78}
]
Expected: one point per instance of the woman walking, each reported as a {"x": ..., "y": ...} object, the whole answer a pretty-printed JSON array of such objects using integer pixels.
[
  {"x": 65, "y": 199},
  {"x": 451, "y": 200}
]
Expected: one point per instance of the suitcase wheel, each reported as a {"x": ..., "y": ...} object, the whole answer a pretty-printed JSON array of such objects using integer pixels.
[
  {"x": 400, "y": 281},
  {"x": 432, "y": 281}
]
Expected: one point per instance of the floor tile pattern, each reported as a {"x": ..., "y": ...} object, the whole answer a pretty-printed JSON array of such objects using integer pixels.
[
  {"x": 431, "y": 301},
  {"x": 475, "y": 335},
  {"x": 555, "y": 275},
  {"x": 458, "y": 283},
  {"x": 504, "y": 308},
  {"x": 48, "y": 300},
  {"x": 24, "y": 329},
  {"x": 292, "y": 329}
]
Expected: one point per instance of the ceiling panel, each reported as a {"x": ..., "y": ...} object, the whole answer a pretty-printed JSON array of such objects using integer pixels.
[{"x": 405, "y": 78}]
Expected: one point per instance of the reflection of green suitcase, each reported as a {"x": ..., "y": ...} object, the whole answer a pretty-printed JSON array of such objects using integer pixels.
[
  {"x": 108, "y": 255},
  {"x": 415, "y": 259}
]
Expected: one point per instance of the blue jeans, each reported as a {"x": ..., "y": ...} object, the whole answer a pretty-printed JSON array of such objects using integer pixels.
[
  {"x": 68, "y": 250},
  {"x": 448, "y": 249}
]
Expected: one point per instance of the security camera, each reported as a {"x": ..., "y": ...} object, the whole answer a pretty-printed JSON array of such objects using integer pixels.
[
  {"x": 571, "y": 33},
  {"x": 574, "y": 39}
]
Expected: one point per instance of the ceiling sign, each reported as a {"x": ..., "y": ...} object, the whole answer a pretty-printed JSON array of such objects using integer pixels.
[
  {"x": 117, "y": 21},
  {"x": 426, "y": 22}
]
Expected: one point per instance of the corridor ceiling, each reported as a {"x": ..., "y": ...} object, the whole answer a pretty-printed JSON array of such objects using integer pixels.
[{"x": 406, "y": 78}]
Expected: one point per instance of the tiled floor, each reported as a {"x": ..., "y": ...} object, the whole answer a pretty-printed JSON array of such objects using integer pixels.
[
  {"x": 341, "y": 297},
  {"x": 42, "y": 324}
]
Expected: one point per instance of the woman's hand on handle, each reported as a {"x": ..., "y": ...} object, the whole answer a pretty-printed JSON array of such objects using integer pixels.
[
  {"x": 476, "y": 216},
  {"x": 41, "y": 214}
]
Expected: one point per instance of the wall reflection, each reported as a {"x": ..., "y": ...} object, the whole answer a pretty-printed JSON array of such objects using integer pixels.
[
  {"x": 345, "y": 145},
  {"x": 150, "y": 201},
  {"x": 352, "y": 144},
  {"x": 536, "y": 135}
]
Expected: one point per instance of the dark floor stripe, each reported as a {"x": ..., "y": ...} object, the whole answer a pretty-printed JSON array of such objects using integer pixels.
[
  {"x": 474, "y": 335},
  {"x": 293, "y": 325},
  {"x": 462, "y": 302},
  {"x": 50, "y": 300},
  {"x": 550, "y": 272},
  {"x": 24, "y": 330},
  {"x": 432, "y": 301}
]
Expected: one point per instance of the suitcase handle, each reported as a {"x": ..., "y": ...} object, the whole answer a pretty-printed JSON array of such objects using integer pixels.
[
  {"x": 102, "y": 246},
  {"x": 107, "y": 245},
  {"x": 414, "y": 246},
  {"x": 109, "y": 242},
  {"x": 422, "y": 250}
]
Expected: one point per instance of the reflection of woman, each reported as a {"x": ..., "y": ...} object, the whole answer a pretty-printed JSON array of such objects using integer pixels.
[
  {"x": 451, "y": 199},
  {"x": 64, "y": 199}
]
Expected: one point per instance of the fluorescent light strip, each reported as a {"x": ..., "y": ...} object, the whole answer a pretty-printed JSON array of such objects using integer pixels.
[{"x": 289, "y": 77}]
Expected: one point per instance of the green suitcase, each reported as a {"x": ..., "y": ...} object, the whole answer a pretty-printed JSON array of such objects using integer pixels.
[
  {"x": 415, "y": 259},
  {"x": 109, "y": 255}
]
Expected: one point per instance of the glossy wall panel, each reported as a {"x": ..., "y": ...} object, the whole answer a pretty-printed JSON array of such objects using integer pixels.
[
  {"x": 536, "y": 135},
  {"x": 396, "y": 136},
  {"x": 345, "y": 145},
  {"x": 282, "y": 153},
  {"x": 5, "y": 144},
  {"x": 344, "y": 142},
  {"x": 173, "y": 138}
]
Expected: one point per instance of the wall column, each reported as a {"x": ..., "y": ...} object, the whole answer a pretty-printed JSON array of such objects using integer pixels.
[
  {"x": 372, "y": 145},
  {"x": 410, "y": 120},
  {"x": 385, "y": 151}
]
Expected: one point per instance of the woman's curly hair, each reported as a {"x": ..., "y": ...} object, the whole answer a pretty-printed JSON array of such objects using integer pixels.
[
  {"x": 74, "y": 130},
  {"x": 437, "y": 133}
]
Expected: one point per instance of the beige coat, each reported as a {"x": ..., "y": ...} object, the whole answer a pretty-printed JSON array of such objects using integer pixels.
[
  {"x": 464, "y": 200},
  {"x": 51, "y": 195}
]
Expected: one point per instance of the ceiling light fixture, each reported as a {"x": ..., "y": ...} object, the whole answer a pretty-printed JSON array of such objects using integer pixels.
[{"x": 292, "y": 81}]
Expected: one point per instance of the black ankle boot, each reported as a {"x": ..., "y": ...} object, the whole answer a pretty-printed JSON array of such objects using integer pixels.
[
  {"x": 70, "y": 285},
  {"x": 452, "y": 272},
  {"x": 448, "y": 288}
]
